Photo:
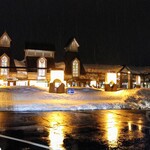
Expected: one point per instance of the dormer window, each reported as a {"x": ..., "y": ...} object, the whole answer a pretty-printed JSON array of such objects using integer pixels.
[
  {"x": 75, "y": 68},
  {"x": 4, "y": 63},
  {"x": 42, "y": 64}
]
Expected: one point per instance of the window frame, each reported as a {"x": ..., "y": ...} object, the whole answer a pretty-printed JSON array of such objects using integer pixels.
[
  {"x": 75, "y": 68},
  {"x": 42, "y": 72},
  {"x": 4, "y": 71}
]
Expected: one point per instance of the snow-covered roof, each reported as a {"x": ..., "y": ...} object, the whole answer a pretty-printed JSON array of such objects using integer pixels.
[
  {"x": 60, "y": 65},
  {"x": 20, "y": 64},
  {"x": 5, "y": 40},
  {"x": 97, "y": 68},
  {"x": 72, "y": 45},
  {"x": 137, "y": 69}
]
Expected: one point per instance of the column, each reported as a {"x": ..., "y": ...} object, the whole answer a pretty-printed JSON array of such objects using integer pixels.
[{"x": 129, "y": 80}]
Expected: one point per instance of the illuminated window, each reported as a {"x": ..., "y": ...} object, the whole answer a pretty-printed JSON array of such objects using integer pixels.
[
  {"x": 4, "y": 63},
  {"x": 75, "y": 68},
  {"x": 42, "y": 64}
]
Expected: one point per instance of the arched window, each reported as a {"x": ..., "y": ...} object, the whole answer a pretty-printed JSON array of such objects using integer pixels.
[
  {"x": 42, "y": 64},
  {"x": 75, "y": 68},
  {"x": 4, "y": 63}
]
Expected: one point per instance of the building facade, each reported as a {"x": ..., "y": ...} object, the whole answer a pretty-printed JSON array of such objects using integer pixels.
[
  {"x": 33, "y": 70},
  {"x": 39, "y": 60}
]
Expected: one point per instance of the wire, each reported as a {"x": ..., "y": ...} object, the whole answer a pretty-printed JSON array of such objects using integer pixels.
[{"x": 24, "y": 141}]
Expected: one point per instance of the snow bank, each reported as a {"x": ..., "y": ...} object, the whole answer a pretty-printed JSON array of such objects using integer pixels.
[
  {"x": 140, "y": 99},
  {"x": 37, "y": 99}
]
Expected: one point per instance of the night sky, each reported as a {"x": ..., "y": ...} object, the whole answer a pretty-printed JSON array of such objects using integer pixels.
[{"x": 108, "y": 31}]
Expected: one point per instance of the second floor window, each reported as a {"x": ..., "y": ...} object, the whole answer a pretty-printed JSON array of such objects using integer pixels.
[
  {"x": 42, "y": 64},
  {"x": 4, "y": 63}
]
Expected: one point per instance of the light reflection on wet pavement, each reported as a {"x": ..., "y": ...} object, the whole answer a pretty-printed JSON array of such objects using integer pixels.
[{"x": 78, "y": 130}]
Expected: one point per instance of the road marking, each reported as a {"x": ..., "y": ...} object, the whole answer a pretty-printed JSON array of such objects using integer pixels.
[{"x": 24, "y": 141}]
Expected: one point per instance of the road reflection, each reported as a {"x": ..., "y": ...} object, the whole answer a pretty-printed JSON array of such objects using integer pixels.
[
  {"x": 91, "y": 130},
  {"x": 129, "y": 126},
  {"x": 112, "y": 130},
  {"x": 120, "y": 126},
  {"x": 56, "y": 131}
]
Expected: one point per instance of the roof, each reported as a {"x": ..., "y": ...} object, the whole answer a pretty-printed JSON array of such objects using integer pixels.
[
  {"x": 60, "y": 65},
  {"x": 98, "y": 68},
  {"x": 136, "y": 69},
  {"x": 72, "y": 45},
  {"x": 5, "y": 40},
  {"x": 19, "y": 63},
  {"x": 40, "y": 46}
]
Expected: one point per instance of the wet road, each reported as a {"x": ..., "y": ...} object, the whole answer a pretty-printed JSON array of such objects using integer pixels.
[{"x": 80, "y": 130}]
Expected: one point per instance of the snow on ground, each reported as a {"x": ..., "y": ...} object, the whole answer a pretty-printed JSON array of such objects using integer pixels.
[{"x": 39, "y": 99}]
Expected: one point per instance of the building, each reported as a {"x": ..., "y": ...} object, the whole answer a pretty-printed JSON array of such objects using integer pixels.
[
  {"x": 33, "y": 70},
  {"x": 133, "y": 76},
  {"x": 39, "y": 62},
  {"x": 7, "y": 69}
]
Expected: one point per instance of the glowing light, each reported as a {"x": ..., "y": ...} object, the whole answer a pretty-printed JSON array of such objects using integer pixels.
[
  {"x": 22, "y": 83},
  {"x": 38, "y": 83},
  {"x": 56, "y": 133},
  {"x": 111, "y": 77},
  {"x": 129, "y": 126},
  {"x": 57, "y": 74},
  {"x": 138, "y": 80},
  {"x": 56, "y": 136},
  {"x": 32, "y": 82},
  {"x": 1, "y": 82},
  {"x": 93, "y": 83},
  {"x": 139, "y": 127},
  {"x": 112, "y": 130}
]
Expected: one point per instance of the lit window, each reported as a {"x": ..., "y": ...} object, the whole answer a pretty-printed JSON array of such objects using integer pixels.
[
  {"x": 4, "y": 63},
  {"x": 42, "y": 64},
  {"x": 75, "y": 68}
]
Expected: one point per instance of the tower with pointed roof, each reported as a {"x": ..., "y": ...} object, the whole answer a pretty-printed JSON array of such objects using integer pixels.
[
  {"x": 73, "y": 65},
  {"x": 6, "y": 57},
  {"x": 72, "y": 45},
  {"x": 5, "y": 40}
]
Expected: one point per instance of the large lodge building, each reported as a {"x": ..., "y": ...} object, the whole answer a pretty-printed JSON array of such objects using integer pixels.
[{"x": 39, "y": 65}]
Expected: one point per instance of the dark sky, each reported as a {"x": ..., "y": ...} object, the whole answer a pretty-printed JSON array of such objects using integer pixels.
[{"x": 108, "y": 31}]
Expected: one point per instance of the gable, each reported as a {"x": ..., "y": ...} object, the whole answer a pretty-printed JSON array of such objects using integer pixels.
[
  {"x": 76, "y": 60},
  {"x": 4, "y": 56},
  {"x": 72, "y": 46},
  {"x": 5, "y": 40},
  {"x": 125, "y": 69}
]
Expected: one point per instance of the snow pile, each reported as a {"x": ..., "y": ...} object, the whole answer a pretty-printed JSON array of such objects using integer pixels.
[
  {"x": 140, "y": 99},
  {"x": 37, "y": 99}
]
